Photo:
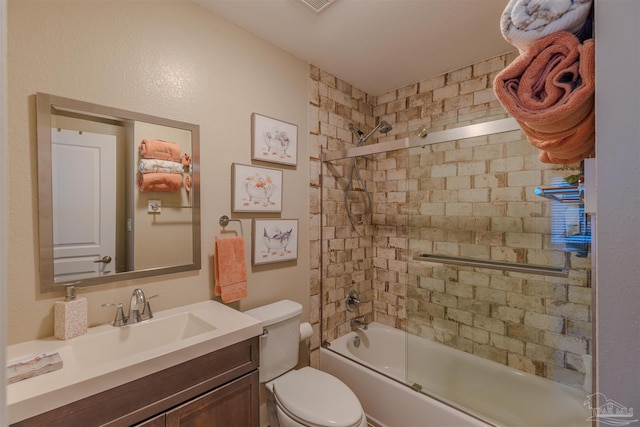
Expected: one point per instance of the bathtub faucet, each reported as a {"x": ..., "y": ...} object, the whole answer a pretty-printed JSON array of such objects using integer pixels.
[
  {"x": 358, "y": 324},
  {"x": 353, "y": 301}
]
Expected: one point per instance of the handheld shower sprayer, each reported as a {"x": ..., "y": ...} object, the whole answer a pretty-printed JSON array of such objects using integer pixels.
[
  {"x": 383, "y": 127},
  {"x": 355, "y": 130}
]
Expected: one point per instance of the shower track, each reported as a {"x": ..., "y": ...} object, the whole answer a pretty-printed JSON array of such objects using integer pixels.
[{"x": 470, "y": 131}]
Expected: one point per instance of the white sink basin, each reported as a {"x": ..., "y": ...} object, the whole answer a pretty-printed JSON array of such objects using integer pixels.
[
  {"x": 109, "y": 356},
  {"x": 126, "y": 341}
]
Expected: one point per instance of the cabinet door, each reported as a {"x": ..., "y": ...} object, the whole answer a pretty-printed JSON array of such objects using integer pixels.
[{"x": 235, "y": 404}]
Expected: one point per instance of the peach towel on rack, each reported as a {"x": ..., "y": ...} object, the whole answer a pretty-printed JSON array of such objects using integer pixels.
[
  {"x": 549, "y": 90},
  {"x": 158, "y": 149},
  {"x": 230, "y": 269},
  {"x": 159, "y": 182}
]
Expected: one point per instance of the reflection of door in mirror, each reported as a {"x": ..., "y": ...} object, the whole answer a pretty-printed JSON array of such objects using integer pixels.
[{"x": 85, "y": 214}]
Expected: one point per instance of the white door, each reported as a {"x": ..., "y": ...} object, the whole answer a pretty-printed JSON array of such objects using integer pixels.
[{"x": 84, "y": 204}]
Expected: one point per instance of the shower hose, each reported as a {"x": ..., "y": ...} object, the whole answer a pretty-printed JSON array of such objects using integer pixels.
[{"x": 349, "y": 187}]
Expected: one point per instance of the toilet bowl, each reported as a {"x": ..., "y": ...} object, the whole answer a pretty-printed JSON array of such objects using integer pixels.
[
  {"x": 305, "y": 397},
  {"x": 309, "y": 397}
]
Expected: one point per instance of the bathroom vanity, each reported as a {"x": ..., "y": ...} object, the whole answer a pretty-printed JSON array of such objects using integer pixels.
[{"x": 207, "y": 374}]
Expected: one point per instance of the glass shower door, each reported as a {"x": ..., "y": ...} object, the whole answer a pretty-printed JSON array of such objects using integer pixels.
[{"x": 498, "y": 276}]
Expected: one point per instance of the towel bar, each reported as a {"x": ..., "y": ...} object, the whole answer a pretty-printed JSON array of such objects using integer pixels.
[
  {"x": 495, "y": 265},
  {"x": 155, "y": 206},
  {"x": 224, "y": 221}
]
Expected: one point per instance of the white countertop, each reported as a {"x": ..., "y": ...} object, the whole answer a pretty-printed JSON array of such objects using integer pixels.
[{"x": 77, "y": 380}]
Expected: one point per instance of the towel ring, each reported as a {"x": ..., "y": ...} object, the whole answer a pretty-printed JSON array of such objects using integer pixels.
[{"x": 224, "y": 221}]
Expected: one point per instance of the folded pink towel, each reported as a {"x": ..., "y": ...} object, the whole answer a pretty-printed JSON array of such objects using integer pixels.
[
  {"x": 549, "y": 89},
  {"x": 159, "y": 182},
  {"x": 158, "y": 149},
  {"x": 230, "y": 269}
]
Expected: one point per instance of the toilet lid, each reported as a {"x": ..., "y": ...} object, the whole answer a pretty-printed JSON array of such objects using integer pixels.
[{"x": 318, "y": 399}]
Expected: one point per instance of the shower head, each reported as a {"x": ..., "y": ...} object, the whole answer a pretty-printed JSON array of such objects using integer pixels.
[{"x": 384, "y": 127}]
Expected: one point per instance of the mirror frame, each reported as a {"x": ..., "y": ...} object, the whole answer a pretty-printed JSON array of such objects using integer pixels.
[{"x": 45, "y": 106}]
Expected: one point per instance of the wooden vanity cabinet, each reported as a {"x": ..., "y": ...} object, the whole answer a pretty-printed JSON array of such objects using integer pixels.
[
  {"x": 226, "y": 406},
  {"x": 218, "y": 389}
]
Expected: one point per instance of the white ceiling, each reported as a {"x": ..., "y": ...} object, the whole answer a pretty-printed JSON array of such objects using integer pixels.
[{"x": 376, "y": 45}]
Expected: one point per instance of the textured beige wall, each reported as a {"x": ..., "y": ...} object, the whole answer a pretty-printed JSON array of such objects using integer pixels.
[{"x": 170, "y": 59}]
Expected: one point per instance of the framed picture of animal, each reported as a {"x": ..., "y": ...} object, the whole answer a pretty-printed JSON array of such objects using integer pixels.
[
  {"x": 273, "y": 140},
  {"x": 255, "y": 189},
  {"x": 274, "y": 240}
]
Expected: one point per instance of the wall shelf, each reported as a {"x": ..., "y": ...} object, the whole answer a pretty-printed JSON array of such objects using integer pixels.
[{"x": 568, "y": 194}]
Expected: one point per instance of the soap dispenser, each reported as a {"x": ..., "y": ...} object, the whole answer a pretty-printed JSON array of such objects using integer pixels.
[{"x": 70, "y": 316}]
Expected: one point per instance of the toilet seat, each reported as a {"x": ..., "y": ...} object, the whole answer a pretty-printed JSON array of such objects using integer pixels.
[{"x": 317, "y": 399}]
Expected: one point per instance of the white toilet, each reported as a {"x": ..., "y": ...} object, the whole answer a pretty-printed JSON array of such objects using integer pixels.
[{"x": 305, "y": 397}]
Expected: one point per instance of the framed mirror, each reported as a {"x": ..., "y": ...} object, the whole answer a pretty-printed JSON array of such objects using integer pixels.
[{"x": 119, "y": 194}]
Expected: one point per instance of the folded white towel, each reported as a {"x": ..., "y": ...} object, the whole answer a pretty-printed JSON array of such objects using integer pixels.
[{"x": 525, "y": 21}]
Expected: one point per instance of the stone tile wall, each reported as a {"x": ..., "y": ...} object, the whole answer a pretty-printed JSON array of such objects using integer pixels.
[
  {"x": 484, "y": 207},
  {"x": 346, "y": 252},
  {"x": 467, "y": 198}
]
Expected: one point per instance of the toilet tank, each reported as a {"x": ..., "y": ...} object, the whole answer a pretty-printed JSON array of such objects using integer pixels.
[{"x": 279, "y": 343}]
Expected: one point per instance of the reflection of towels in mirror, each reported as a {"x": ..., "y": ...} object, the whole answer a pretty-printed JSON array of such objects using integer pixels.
[
  {"x": 230, "y": 269},
  {"x": 155, "y": 165},
  {"x": 158, "y": 149},
  {"x": 159, "y": 182}
]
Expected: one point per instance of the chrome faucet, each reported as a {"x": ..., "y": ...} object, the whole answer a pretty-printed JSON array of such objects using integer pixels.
[
  {"x": 136, "y": 306},
  {"x": 139, "y": 309},
  {"x": 353, "y": 301},
  {"x": 358, "y": 324}
]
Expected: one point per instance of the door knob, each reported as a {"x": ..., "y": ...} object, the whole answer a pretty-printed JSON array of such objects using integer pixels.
[{"x": 106, "y": 259}]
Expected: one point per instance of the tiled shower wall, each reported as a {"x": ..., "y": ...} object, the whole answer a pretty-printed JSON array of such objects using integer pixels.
[
  {"x": 346, "y": 251},
  {"x": 537, "y": 325},
  {"x": 477, "y": 201}
]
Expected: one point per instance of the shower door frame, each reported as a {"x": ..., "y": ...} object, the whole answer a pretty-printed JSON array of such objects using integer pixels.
[{"x": 420, "y": 139}]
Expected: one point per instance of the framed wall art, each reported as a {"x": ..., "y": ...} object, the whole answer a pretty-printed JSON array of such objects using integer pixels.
[
  {"x": 274, "y": 240},
  {"x": 273, "y": 140},
  {"x": 256, "y": 189}
]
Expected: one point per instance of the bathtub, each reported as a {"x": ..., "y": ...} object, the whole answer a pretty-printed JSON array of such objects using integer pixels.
[{"x": 485, "y": 393}]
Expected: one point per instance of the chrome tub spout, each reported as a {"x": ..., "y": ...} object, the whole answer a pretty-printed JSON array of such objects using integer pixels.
[{"x": 358, "y": 324}]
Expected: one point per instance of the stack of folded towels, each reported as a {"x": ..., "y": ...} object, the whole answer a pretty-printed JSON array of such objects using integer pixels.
[
  {"x": 160, "y": 166},
  {"x": 549, "y": 89}
]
